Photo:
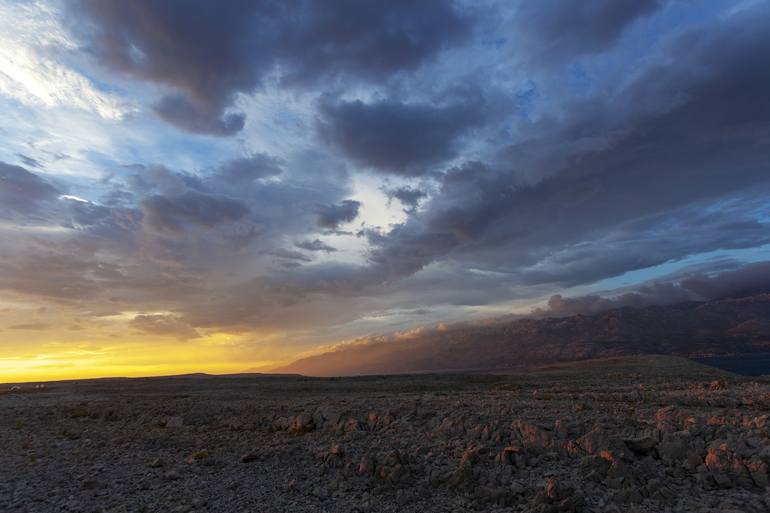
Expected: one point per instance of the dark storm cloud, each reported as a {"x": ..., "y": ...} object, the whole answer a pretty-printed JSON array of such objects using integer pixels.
[
  {"x": 367, "y": 39},
  {"x": 22, "y": 191},
  {"x": 247, "y": 169},
  {"x": 396, "y": 137},
  {"x": 181, "y": 112},
  {"x": 156, "y": 245},
  {"x": 652, "y": 240},
  {"x": 331, "y": 216},
  {"x": 745, "y": 280},
  {"x": 410, "y": 198},
  {"x": 171, "y": 214},
  {"x": 556, "y": 30},
  {"x": 210, "y": 52},
  {"x": 315, "y": 245},
  {"x": 649, "y": 159},
  {"x": 680, "y": 138}
]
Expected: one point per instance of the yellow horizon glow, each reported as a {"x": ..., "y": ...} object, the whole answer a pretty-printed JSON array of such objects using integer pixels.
[{"x": 218, "y": 353}]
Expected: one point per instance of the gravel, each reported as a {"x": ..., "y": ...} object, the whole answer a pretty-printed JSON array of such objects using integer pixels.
[{"x": 644, "y": 434}]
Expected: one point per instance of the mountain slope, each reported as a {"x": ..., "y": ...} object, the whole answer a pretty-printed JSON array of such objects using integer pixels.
[{"x": 736, "y": 325}]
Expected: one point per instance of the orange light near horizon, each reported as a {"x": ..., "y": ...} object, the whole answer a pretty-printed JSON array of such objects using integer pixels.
[{"x": 215, "y": 354}]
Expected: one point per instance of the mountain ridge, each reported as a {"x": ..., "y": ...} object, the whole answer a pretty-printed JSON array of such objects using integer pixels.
[{"x": 716, "y": 327}]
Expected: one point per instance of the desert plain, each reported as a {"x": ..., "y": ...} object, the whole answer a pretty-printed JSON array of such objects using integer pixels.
[{"x": 633, "y": 434}]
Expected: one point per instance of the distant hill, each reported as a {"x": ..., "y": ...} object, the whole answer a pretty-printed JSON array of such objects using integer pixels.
[{"x": 725, "y": 326}]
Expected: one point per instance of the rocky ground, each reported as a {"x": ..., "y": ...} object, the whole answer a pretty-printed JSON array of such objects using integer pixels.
[{"x": 635, "y": 434}]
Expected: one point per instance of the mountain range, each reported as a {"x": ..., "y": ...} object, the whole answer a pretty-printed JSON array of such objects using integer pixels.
[{"x": 717, "y": 327}]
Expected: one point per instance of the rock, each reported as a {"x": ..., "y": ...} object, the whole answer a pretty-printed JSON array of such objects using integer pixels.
[
  {"x": 598, "y": 442},
  {"x": 531, "y": 434},
  {"x": 351, "y": 425},
  {"x": 507, "y": 455},
  {"x": 642, "y": 446},
  {"x": 197, "y": 456},
  {"x": 561, "y": 429},
  {"x": 404, "y": 450},
  {"x": 330, "y": 415},
  {"x": 301, "y": 424},
  {"x": 595, "y": 464},
  {"x": 758, "y": 470},
  {"x": 366, "y": 466},
  {"x": 553, "y": 491},
  {"x": 172, "y": 475},
  {"x": 721, "y": 479},
  {"x": 673, "y": 448},
  {"x": 249, "y": 457},
  {"x": 717, "y": 384},
  {"x": 671, "y": 418},
  {"x": 334, "y": 455}
]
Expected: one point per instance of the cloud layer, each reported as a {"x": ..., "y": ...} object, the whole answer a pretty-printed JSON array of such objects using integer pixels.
[
  {"x": 295, "y": 174},
  {"x": 209, "y": 53}
]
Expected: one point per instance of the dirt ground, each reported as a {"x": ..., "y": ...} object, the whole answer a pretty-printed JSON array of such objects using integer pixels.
[{"x": 643, "y": 434}]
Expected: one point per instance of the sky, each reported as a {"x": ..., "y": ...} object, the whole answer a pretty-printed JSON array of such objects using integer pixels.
[{"x": 225, "y": 186}]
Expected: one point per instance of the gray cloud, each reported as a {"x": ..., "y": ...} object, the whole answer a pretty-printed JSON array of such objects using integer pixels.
[
  {"x": 553, "y": 31},
  {"x": 164, "y": 325},
  {"x": 210, "y": 53},
  {"x": 171, "y": 214},
  {"x": 619, "y": 162},
  {"x": 22, "y": 191},
  {"x": 82, "y": 213},
  {"x": 144, "y": 180},
  {"x": 159, "y": 242},
  {"x": 396, "y": 137},
  {"x": 179, "y": 111},
  {"x": 247, "y": 169},
  {"x": 742, "y": 281},
  {"x": 314, "y": 245},
  {"x": 289, "y": 254},
  {"x": 331, "y": 216},
  {"x": 658, "y": 169},
  {"x": 410, "y": 198}
]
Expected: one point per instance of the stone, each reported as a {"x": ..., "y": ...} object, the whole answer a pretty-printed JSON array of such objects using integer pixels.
[
  {"x": 366, "y": 466},
  {"x": 721, "y": 479},
  {"x": 250, "y": 457},
  {"x": 197, "y": 456},
  {"x": 643, "y": 445},
  {"x": 301, "y": 424},
  {"x": 531, "y": 434},
  {"x": 673, "y": 448},
  {"x": 172, "y": 475},
  {"x": 717, "y": 384}
]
